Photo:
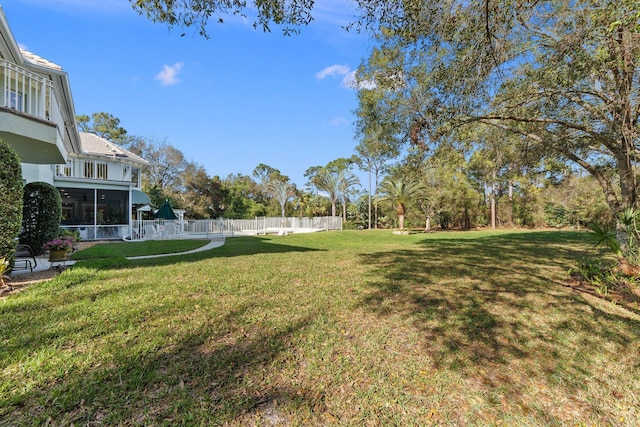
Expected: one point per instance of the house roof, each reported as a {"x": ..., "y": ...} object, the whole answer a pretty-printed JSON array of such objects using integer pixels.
[
  {"x": 93, "y": 144},
  {"x": 34, "y": 59}
]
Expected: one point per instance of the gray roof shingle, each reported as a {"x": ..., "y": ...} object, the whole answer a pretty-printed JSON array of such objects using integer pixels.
[{"x": 95, "y": 145}]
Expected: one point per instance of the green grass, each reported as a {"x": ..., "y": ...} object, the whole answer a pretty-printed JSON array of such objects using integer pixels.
[
  {"x": 339, "y": 328},
  {"x": 132, "y": 249}
]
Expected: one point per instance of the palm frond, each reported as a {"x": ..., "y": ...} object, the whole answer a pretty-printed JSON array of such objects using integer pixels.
[{"x": 603, "y": 235}]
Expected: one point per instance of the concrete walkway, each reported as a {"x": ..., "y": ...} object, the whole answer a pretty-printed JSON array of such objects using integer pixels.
[
  {"x": 213, "y": 243},
  {"x": 44, "y": 264}
]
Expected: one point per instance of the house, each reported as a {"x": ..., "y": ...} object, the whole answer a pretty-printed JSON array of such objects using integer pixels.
[
  {"x": 37, "y": 117},
  {"x": 100, "y": 189},
  {"x": 99, "y": 182}
]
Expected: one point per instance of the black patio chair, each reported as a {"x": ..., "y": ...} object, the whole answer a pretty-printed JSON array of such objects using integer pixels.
[{"x": 24, "y": 254}]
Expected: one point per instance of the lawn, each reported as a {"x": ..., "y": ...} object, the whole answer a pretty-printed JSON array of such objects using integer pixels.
[{"x": 335, "y": 328}]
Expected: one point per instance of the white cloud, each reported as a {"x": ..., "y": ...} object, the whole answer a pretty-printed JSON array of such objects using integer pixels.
[
  {"x": 350, "y": 81},
  {"x": 348, "y": 77},
  {"x": 338, "y": 121},
  {"x": 333, "y": 70},
  {"x": 169, "y": 74}
]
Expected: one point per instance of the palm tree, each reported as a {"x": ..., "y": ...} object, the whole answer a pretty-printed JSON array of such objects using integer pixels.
[
  {"x": 346, "y": 180},
  {"x": 399, "y": 194},
  {"x": 282, "y": 191},
  {"x": 329, "y": 183}
]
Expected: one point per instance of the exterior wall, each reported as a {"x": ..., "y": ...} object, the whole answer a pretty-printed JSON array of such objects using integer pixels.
[{"x": 37, "y": 173}]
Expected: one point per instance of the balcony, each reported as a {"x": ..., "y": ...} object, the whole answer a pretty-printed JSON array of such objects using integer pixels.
[
  {"x": 98, "y": 170},
  {"x": 30, "y": 117}
]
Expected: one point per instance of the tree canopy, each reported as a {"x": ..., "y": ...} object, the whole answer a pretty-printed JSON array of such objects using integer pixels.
[
  {"x": 290, "y": 14},
  {"x": 561, "y": 74}
]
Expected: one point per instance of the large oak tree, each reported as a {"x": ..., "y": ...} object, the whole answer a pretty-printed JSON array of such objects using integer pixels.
[{"x": 561, "y": 73}]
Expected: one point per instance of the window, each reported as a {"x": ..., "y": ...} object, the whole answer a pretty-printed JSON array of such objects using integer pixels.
[
  {"x": 63, "y": 170},
  {"x": 15, "y": 100},
  {"x": 102, "y": 169},
  {"x": 88, "y": 170},
  {"x": 134, "y": 176}
]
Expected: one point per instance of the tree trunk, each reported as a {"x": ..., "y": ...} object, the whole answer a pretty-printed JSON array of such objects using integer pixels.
[
  {"x": 375, "y": 202},
  {"x": 369, "y": 199},
  {"x": 427, "y": 227},
  {"x": 344, "y": 210},
  {"x": 493, "y": 201},
  {"x": 622, "y": 237},
  {"x": 401, "y": 211}
]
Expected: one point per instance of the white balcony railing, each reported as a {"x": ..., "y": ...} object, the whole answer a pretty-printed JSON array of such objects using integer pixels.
[
  {"x": 28, "y": 93},
  {"x": 103, "y": 170}
]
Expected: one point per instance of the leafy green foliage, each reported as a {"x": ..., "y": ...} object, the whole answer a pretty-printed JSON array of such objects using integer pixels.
[
  {"x": 11, "y": 203},
  {"x": 624, "y": 242},
  {"x": 605, "y": 276},
  {"x": 106, "y": 126},
  {"x": 400, "y": 194},
  {"x": 289, "y": 14},
  {"x": 41, "y": 214},
  {"x": 604, "y": 236},
  {"x": 561, "y": 79}
]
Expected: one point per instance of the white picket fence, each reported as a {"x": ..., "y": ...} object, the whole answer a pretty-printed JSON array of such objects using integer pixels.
[{"x": 173, "y": 229}]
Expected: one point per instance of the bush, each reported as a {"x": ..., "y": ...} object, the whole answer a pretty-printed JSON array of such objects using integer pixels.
[
  {"x": 41, "y": 214},
  {"x": 75, "y": 234},
  {"x": 11, "y": 204}
]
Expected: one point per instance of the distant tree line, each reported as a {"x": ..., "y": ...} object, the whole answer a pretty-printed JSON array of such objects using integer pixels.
[{"x": 459, "y": 185}]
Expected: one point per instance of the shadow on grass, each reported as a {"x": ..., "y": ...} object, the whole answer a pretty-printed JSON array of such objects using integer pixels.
[
  {"x": 491, "y": 307},
  {"x": 233, "y": 247},
  {"x": 211, "y": 370}
]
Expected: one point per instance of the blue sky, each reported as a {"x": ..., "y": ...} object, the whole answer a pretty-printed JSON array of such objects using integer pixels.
[{"x": 241, "y": 98}]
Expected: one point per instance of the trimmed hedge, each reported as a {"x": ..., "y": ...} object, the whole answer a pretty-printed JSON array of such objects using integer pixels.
[
  {"x": 11, "y": 203},
  {"x": 41, "y": 214}
]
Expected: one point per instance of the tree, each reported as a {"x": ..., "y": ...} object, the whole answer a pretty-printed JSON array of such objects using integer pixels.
[
  {"x": 399, "y": 194},
  {"x": 346, "y": 182},
  {"x": 245, "y": 197},
  {"x": 218, "y": 198},
  {"x": 282, "y": 191},
  {"x": 166, "y": 165},
  {"x": 562, "y": 74},
  {"x": 493, "y": 164},
  {"x": 266, "y": 173},
  {"x": 335, "y": 179},
  {"x": 378, "y": 140},
  {"x": 11, "y": 205},
  {"x": 290, "y": 14},
  {"x": 41, "y": 214},
  {"x": 106, "y": 126},
  {"x": 196, "y": 199}
]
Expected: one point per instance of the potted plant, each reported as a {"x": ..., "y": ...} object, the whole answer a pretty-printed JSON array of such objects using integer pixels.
[{"x": 59, "y": 248}]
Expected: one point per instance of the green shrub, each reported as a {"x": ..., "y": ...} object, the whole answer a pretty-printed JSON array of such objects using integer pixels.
[
  {"x": 11, "y": 203},
  {"x": 41, "y": 214},
  {"x": 75, "y": 234}
]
